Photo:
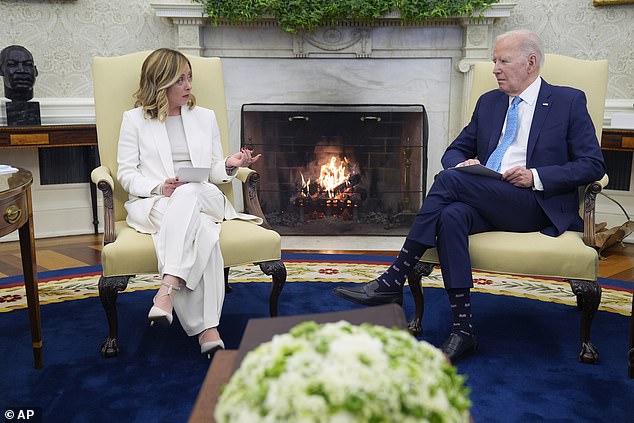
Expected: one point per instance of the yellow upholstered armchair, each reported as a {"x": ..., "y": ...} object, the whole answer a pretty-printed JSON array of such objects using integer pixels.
[
  {"x": 127, "y": 252},
  {"x": 570, "y": 256}
]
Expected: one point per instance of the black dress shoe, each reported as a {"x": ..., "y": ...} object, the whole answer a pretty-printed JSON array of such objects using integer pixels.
[
  {"x": 459, "y": 344},
  {"x": 367, "y": 294}
]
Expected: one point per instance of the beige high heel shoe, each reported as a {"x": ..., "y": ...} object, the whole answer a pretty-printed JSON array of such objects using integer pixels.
[
  {"x": 209, "y": 347},
  {"x": 158, "y": 315}
]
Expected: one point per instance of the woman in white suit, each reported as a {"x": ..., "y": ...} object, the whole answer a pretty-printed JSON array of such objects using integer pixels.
[{"x": 164, "y": 133}]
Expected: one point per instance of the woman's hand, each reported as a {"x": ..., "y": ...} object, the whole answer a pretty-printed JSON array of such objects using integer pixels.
[
  {"x": 170, "y": 184},
  {"x": 243, "y": 158}
]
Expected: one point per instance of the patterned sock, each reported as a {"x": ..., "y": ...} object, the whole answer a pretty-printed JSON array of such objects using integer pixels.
[
  {"x": 393, "y": 278},
  {"x": 460, "y": 300}
]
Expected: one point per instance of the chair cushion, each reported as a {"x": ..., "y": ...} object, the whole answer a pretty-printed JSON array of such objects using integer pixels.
[
  {"x": 530, "y": 254},
  {"x": 132, "y": 252},
  {"x": 243, "y": 242}
]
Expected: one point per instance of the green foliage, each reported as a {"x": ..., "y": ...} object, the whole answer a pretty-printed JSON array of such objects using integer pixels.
[{"x": 306, "y": 15}]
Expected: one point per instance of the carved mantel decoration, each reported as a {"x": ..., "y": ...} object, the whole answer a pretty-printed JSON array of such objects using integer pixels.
[{"x": 354, "y": 41}]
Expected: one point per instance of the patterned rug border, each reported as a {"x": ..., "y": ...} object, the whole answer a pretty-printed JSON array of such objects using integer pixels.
[{"x": 67, "y": 286}]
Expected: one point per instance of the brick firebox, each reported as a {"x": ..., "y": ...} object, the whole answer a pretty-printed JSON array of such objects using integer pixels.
[{"x": 378, "y": 152}]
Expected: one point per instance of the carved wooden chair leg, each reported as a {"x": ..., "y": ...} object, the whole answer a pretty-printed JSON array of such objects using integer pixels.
[
  {"x": 277, "y": 270},
  {"x": 228, "y": 288},
  {"x": 109, "y": 287},
  {"x": 588, "y": 298},
  {"x": 415, "y": 326}
]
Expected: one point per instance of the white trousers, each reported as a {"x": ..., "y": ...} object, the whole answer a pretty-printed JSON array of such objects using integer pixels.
[{"x": 187, "y": 246}]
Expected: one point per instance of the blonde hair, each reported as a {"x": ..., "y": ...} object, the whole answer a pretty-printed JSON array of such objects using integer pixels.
[{"x": 160, "y": 70}]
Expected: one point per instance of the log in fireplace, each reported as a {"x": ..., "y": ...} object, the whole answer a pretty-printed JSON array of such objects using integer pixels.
[{"x": 338, "y": 169}]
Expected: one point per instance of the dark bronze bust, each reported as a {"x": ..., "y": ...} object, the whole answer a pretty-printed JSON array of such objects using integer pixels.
[{"x": 18, "y": 71}]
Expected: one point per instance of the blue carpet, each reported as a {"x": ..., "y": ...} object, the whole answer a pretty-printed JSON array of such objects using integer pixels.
[{"x": 526, "y": 370}]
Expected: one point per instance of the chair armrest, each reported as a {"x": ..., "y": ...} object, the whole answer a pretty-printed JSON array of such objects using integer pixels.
[
  {"x": 244, "y": 173},
  {"x": 250, "y": 179},
  {"x": 102, "y": 177},
  {"x": 589, "y": 201},
  {"x": 102, "y": 173}
]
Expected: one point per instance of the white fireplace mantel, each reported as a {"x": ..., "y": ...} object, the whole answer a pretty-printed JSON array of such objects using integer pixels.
[{"x": 191, "y": 22}]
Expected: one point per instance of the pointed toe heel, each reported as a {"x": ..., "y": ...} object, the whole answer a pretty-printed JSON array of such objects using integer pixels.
[
  {"x": 158, "y": 315},
  {"x": 211, "y": 347}
]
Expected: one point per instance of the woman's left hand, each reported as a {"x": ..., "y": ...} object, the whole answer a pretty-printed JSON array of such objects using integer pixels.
[{"x": 244, "y": 158}]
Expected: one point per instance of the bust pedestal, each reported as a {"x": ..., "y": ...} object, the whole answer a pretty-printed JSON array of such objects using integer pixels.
[{"x": 23, "y": 113}]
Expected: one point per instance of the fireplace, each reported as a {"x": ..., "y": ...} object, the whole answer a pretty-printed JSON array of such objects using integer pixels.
[{"x": 338, "y": 169}]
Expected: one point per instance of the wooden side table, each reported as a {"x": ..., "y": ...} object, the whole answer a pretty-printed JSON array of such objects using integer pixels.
[
  {"x": 45, "y": 136},
  {"x": 630, "y": 354},
  {"x": 622, "y": 140},
  {"x": 220, "y": 371},
  {"x": 617, "y": 139},
  {"x": 16, "y": 212}
]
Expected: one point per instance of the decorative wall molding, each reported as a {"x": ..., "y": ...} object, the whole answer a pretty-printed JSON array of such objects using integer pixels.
[
  {"x": 60, "y": 110},
  {"x": 65, "y": 110},
  {"x": 623, "y": 105},
  {"x": 69, "y": 110}
]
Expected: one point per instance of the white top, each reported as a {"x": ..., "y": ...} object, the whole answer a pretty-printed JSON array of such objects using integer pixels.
[{"x": 178, "y": 142}]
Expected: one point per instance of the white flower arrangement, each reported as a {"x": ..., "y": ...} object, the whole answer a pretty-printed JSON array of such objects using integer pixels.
[{"x": 338, "y": 372}]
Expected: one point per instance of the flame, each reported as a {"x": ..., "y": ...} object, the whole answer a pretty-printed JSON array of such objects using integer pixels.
[
  {"x": 333, "y": 174},
  {"x": 305, "y": 191}
]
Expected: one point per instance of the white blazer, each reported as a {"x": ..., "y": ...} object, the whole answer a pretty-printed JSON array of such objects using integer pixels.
[{"x": 145, "y": 159}]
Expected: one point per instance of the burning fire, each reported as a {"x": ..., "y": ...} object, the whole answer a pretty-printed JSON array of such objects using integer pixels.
[
  {"x": 333, "y": 176},
  {"x": 336, "y": 193}
]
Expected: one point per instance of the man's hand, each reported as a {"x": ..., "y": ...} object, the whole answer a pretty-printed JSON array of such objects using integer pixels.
[
  {"x": 519, "y": 176},
  {"x": 468, "y": 162},
  {"x": 167, "y": 189}
]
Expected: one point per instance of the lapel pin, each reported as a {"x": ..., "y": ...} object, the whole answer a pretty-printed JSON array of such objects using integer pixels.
[{"x": 545, "y": 104}]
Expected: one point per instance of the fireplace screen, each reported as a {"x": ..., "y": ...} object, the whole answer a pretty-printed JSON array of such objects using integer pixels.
[{"x": 338, "y": 169}]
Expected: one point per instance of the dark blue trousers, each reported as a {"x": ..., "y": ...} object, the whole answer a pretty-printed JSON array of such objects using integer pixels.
[{"x": 460, "y": 204}]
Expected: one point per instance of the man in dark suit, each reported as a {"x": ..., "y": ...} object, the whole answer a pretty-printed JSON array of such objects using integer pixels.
[{"x": 540, "y": 138}]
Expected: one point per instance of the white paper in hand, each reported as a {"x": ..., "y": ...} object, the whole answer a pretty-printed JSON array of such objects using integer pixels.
[{"x": 193, "y": 174}]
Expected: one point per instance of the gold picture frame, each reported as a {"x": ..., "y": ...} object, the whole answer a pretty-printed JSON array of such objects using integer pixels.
[{"x": 611, "y": 2}]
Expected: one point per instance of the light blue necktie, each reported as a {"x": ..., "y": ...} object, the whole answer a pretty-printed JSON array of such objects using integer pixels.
[{"x": 495, "y": 159}]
